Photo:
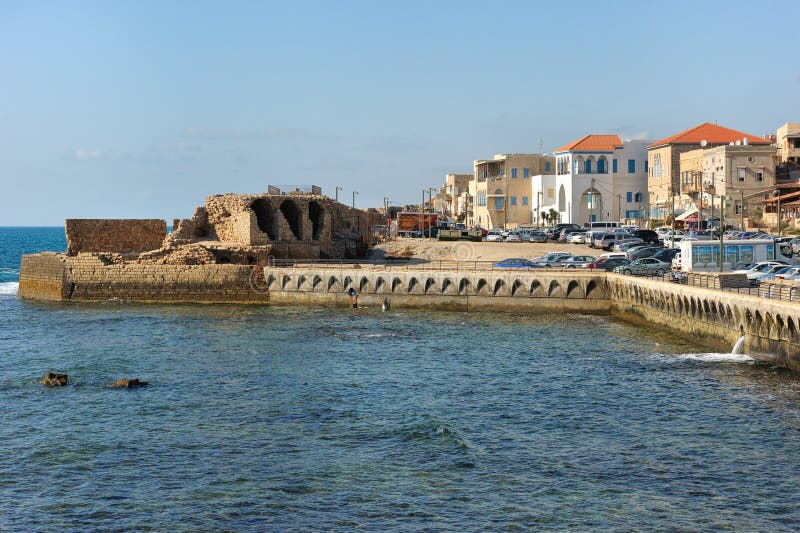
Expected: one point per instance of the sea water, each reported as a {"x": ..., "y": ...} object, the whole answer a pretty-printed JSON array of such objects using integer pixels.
[{"x": 260, "y": 418}]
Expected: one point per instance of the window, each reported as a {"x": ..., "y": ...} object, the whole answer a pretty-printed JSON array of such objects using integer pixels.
[
  {"x": 738, "y": 208},
  {"x": 526, "y": 172},
  {"x": 601, "y": 166},
  {"x": 587, "y": 166},
  {"x": 513, "y": 172},
  {"x": 614, "y": 166},
  {"x": 629, "y": 197},
  {"x": 547, "y": 166},
  {"x": 760, "y": 174},
  {"x": 637, "y": 197},
  {"x": 657, "y": 166},
  {"x": 524, "y": 200},
  {"x": 645, "y": 165},
  {"x": 513, "y": 200},
  {"x": 741, "y": 174},
  {"x": 482, "y": 198},
  {"x": 574, "y": 167},
  {"x": 631, "y": 166},
  {"x": 632, "y": 214}
]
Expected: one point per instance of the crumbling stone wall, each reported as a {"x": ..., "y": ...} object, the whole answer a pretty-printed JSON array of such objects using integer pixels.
[{"x": 114, "y": 235}]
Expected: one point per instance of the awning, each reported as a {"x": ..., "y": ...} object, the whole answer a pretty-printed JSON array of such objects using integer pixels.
[
  {"x": 686, "y": 214},
  {"x": 692, "y": 219}
]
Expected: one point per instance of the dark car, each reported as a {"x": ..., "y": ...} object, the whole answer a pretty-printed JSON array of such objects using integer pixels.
[
  {"x": 640, "y": 253},
  {"x": 667, "y": 254},
  {"x": 516, "y": 262},
  {"x": 647, "y": 235},
  {"x": 608, "y": 264}
]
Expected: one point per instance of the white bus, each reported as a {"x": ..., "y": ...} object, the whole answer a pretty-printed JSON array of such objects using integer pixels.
[
  {"x": 602, "y": 226},
  {"x": 703, "y": 256}
]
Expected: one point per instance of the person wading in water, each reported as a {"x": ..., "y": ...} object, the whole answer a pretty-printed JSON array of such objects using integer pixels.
[{"x": 353, "y": 297}]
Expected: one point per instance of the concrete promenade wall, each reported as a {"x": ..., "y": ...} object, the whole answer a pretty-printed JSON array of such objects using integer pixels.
[
  {"x": 770, "y": 327},
  {"x": 556, "y": 291}
]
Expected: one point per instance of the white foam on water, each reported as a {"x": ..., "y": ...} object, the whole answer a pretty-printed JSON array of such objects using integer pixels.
[
  {"x": 715, "y": 357},
  {"x": 9, "y": 287}
]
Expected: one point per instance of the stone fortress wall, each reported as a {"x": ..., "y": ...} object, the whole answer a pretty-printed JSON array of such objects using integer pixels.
[{"x": 114, "y": 235}]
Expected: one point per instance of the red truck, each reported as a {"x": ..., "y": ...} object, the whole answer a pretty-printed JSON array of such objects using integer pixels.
[{"x": 414, "y": 224}]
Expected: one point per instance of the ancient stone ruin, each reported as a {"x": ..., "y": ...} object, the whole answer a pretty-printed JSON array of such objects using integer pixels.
[{"x": 243, "y": 229}]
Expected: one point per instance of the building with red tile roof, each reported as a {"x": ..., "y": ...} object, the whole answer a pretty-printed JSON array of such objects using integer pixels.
[
  {"x": 663, "y": 158},
  {"x": 600, "y": 178}
]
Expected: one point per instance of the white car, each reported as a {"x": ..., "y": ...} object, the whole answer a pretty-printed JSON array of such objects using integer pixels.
[
  {"x": 758, "y": 269},
  {"x": 494, "y": 235},
  {"x": 513, "y": 236},
  {"x": 577, "y": 238},
  {"x": 553, "y": 259}
]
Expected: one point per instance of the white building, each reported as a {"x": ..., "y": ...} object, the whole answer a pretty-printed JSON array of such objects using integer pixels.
[{"x": 601, "y": 178}]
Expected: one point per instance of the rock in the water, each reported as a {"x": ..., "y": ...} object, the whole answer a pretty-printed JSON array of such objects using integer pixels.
[
  {"x": 127, "y": 383},
  {"x": 51, "y": 379}
]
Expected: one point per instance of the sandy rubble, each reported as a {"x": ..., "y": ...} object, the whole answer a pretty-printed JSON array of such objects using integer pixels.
[{"x": 434, "y": 250}]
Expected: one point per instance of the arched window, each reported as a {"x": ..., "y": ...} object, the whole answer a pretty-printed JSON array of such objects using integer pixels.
[
  {"x": 587, "y": 168},
  {"x": 602, "y": 166},
  {"x": 498, "y": 200}
]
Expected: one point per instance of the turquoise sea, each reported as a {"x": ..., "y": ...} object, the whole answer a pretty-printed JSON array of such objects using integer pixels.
[{"x": 302, "y": 419}]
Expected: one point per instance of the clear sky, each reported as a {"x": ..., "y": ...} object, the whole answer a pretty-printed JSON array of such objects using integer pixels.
[{"x": 140, "y": 109}]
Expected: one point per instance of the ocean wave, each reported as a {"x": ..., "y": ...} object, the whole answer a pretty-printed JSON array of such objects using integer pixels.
[{"x": 9, "y": 288}]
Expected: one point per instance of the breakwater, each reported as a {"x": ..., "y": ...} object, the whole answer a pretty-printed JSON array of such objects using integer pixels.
[{"x": 713, "y": 316}]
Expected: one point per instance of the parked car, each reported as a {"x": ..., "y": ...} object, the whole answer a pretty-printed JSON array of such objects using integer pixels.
[
  {"x": 494, "y": 235},
  {"x": 577, "y": 261},
  {"x": 605, "y": 241},
  {"x": 609, "y": 263},
  {"x": 552, "y": 259},
  {"x": 667, "y": 254},
  {"x": 577, "y": 237},
  {"x": 780, "y": 273},
  {"x": 513, "y": 236},
  {"x": 646, "y": 266},
  {"x": 623, "y": 245},
  {"x": 537, "y": 236},
  {"x": 757, "y": 269},
  {"x": 516, "y": 262},
  {"x": 646, "y": 235},
  {"x": 648, "y": 251},
  {"x": 677, "y": 261}
]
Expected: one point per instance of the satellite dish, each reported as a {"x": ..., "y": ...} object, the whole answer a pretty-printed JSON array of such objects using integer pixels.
[{"x": 703, "y": 143}]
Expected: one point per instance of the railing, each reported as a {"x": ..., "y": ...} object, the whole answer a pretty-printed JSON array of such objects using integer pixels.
[{"x": 771, "y": 291}]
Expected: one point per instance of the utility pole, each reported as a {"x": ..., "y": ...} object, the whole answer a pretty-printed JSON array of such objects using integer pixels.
[
  {"x": 354, "y": 199},
  {"x": 672, "y": 237},
  {"x": 741, "y": 210},
  {"x": 721, "y": 227},
  {"x": 337, "y": 193}
]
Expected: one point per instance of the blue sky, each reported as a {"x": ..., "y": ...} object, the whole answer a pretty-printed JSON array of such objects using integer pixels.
[{"x": 141, "y": 109}]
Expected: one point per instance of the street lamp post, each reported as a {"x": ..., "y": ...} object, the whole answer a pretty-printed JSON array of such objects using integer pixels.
[
  {"x": 721, "y": 227},
  {"x": 778, "y": 195},
  {"x": 430, "y": 216},
  {"x": 672, "y": 237}
]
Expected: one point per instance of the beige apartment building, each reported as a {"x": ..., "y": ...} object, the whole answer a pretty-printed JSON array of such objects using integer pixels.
[
  {"x": 455, "y": 194},
  {"x": 664, "y": 161},
  {"x": 501, "y": 189},
  {"x": 741, "y": 174},
  {"x": 788, "y": 140}
]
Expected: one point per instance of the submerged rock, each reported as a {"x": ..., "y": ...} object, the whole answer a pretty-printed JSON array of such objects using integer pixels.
[
  {"x": 51, "y": 379},
  {"x": 127, "y": 383}
]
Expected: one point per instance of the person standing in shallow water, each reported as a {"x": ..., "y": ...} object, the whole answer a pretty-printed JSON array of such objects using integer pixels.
[{"x": 353, "y": 297}]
